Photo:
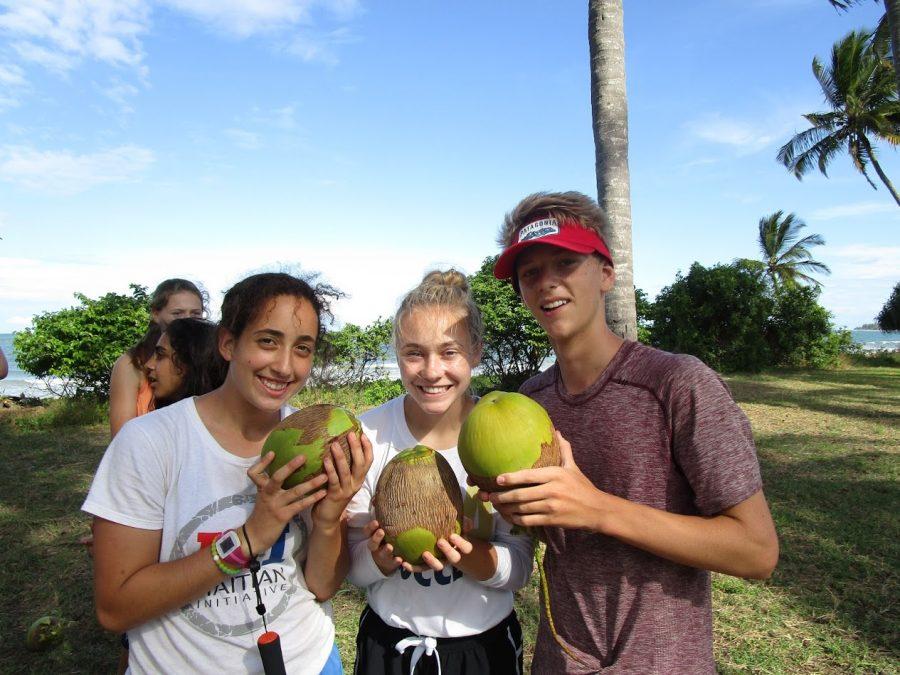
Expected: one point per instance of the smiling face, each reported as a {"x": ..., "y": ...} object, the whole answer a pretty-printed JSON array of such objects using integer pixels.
[
  {"x": 181, "y": 305},
  {"x": 436, "y": 358},
  {"x": 163, "y": 371},
  {"x": 564, "y": 290},
  {"x": 273, "y": 356}
]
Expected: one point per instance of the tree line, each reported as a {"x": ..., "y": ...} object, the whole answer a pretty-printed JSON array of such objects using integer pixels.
[{"x": 742, "y": 316}]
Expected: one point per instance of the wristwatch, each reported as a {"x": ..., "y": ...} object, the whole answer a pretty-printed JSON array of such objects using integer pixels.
[{"x": 228, "y": 548}]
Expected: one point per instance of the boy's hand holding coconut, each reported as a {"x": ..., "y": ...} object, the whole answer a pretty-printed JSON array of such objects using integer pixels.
[{"x": 558, "y": 496}]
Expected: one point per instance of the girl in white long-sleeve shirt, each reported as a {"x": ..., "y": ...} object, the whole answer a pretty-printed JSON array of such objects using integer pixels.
[{"x": 455, "y": 616}]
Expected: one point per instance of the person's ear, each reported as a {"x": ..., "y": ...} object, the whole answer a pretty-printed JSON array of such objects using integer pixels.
[
  {"x": 477, "y": 353},
  {"x": 226, "y": 342},
  {"x": 607, "y": 276}
]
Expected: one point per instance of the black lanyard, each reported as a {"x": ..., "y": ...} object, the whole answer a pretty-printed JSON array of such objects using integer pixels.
[{"x": 269, "y": 643}]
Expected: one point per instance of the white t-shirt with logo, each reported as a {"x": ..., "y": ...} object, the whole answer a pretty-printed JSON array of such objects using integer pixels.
[
  {"x": 164, "y": 471},
  {"x": 433, "y": 604}
]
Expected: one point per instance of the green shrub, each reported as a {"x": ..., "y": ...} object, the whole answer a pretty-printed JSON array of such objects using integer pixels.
[
  {"x": 644, "y": 309},
  {"x": 515, "y": 345},
  {"x": 381, "y": 391},
  {"x": 79, "y": 345},
  {"x": 350, "y": 356},
  {"x": 349, "y": 397},
  {"x": 732, "y": 319},
  {"x": 718, "y": 314},
  {"x": 482, "y": 384},
  {"x": 880, "y": 358},
  {"x": 800, "y": 333},
  {"x": 889, "y": 316}
]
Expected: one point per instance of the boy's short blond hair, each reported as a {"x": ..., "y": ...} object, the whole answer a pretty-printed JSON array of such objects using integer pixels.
[{"x": 560, "y": 205}]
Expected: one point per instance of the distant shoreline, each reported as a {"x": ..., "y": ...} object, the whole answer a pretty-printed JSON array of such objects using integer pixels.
[{"x": 18, "y": 382}]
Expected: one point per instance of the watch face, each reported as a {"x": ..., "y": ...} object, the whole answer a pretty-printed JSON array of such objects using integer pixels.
[{"x": 227, "y": 543}]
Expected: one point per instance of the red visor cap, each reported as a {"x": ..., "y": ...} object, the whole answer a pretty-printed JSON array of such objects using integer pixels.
[{"x": 567, "y": 234}]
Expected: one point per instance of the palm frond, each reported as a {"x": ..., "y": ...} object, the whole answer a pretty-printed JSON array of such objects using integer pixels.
[
  {"x": 859, "y": 85},
  {"x": 881, "y": 38},
  {"x": 800, "y": 144},
  {"x": 860, "y": 158}
]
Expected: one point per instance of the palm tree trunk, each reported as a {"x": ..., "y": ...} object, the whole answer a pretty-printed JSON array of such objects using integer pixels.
[
  {"x": 877, "y": 166},
  {"x": 892, "y": 9},
  {"x": 606, "y": 36}
]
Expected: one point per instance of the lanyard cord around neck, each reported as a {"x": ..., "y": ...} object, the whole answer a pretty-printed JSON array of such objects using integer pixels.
[
  {"x": 269, "y": 643},
  {"x": 254, "y": 568}
]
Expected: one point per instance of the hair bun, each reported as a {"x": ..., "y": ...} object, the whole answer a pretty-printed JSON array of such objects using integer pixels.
[{"x": 452, "y": 278}]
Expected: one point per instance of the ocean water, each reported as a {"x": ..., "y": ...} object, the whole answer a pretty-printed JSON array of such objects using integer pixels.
[
  {"x": 874, "y": 340},
  {"x": 20, "y": 382}
]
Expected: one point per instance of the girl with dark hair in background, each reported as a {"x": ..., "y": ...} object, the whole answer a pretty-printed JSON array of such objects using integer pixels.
[
  {"x": 185, "y": 362},
  {"x": 130, "y": 394}
]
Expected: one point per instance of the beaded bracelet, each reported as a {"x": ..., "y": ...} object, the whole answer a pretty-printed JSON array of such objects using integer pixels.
[{"x": 223, "y": 567}]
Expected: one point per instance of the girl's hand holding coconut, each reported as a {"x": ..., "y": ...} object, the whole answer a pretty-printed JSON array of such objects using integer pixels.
[
  {"x": 344, "y": 479},
  {"x": 276, "y": 506},
  {"x": 382, "y": 552}
]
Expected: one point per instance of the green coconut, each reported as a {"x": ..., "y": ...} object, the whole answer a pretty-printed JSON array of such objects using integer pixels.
[
  {"x": 309, "y": 432},
  {"x": 418, "y": 501},
  {"x": 44, "y": 633},
  {"x": 506, "y": 432}
]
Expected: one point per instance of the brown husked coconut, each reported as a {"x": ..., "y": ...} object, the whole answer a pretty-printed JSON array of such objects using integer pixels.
[
  {"x": 417, "y": 501},
  {"x": 310, "y": 432}
]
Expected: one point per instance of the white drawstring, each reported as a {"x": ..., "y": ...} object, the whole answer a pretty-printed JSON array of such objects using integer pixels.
[{"x": 423, "y": 645}]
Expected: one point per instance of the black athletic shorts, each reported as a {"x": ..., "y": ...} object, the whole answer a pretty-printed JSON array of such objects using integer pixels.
[{"x": 497, "y": 651}]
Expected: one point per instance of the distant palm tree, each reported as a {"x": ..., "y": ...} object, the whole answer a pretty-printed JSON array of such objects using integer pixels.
[
  {"x": 787, "y": 257},
  {"x": 859, "y": 86}
]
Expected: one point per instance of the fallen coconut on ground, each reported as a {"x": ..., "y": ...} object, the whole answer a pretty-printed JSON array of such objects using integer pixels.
[
  {"x": 506, "y": 432},
  {"x": 44, "y": 633},
  {"x": 310, "y": 432},
  {"x": 418, "y": 501}
]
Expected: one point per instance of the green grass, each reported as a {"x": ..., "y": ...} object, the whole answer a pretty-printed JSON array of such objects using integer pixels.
[{"x": 828, "y": 443}]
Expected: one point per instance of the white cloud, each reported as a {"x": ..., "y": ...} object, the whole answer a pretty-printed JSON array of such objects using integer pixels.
[
  {"x": 61, "y": 34},
  {"x": 863, "y": 261},
  {"x": 699, "y": 161},
  {"x": 777, "y": 122},
  {"x": 58, "y": 34},
  {"x": 747, "y": 137},
  {"x": 320, "y": 47},
  {"x": 862, "y": 276},
  {"x": 12, "y": 84},
  {"x": 65, "y": 173},
  {"x": 19, "y": 321},
  {"x": 247, "y": 140},
  {"x": 853, "y": 210},
  {"x": 29, "y": 285},
  {"x": 243, "y": 18},
  {"x": 11, "y": 75},
  {"x": 283, "y": 117},
  {"x": 121, "y": 93}
]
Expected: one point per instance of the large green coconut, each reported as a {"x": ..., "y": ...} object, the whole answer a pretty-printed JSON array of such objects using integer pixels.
[
  {"x": 417, "y": 501},
  {"x": 309, "y": 432},
  {"x": 506, "y": 432}
]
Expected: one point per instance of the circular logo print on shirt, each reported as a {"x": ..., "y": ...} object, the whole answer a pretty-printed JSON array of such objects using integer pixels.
[{"x": 229, "y": 609}]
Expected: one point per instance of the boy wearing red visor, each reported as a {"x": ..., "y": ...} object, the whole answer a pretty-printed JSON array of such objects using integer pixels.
[{"x": 659, "y": 482}]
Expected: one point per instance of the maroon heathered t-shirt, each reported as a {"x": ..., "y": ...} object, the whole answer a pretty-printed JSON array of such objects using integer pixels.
[{"x": 659, "y": 429}]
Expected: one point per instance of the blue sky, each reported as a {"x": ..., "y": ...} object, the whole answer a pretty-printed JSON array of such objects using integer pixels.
[{"x": 372, "y": 142}]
